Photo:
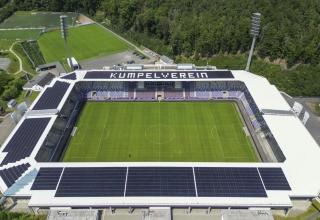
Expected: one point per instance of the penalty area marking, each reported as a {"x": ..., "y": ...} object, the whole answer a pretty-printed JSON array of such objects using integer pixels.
[{"x": 100, "y": 141}]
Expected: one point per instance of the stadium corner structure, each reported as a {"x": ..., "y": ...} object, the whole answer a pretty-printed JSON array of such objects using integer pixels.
[{"x": 31, "y": 165}]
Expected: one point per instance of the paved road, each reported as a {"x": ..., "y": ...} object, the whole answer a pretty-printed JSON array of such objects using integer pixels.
[{"x": 313, "y": 124}]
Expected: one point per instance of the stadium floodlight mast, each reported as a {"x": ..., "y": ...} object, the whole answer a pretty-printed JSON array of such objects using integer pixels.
[
  {"x": 255, "y": 28},
  {"x": 64, "y": 34}
]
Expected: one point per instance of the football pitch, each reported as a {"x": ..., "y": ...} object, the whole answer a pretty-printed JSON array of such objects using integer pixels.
[
  {"x": 85, "y": 42},
  {"x": 27, "y": 19},
  {"x": 160, "y": 132}
]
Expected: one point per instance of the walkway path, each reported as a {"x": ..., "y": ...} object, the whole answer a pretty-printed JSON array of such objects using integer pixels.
[
  {"x": 19, "y": 59},
  {"x": 19, "y": 29}
]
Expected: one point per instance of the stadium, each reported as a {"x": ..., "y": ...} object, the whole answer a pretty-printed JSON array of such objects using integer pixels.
[{"x": 160, "y": 136}]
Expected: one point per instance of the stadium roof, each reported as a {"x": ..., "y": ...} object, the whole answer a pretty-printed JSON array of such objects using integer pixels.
[{"x": 300, "y": 167}]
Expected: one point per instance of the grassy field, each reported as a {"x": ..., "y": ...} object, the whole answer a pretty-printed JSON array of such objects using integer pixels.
[
  {"x": 26, "y": 64},
  {"x": 5, "y": 44},
  {"x": 14, "y": 63},
  {"x": 160, "y": 131},
  {"x": 23, "y": 94},
  {"x": 85, "y": 42},
  {"x": 315, "y": 107},
  {"x": 311, "y": 210},
  {"x": 20, "y": 34},
  {"x": 28, "y": 19}
]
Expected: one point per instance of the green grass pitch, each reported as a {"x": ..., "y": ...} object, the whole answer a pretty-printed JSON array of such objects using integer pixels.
[
  {"x": 27, "y": 19},
  {"x": 85, "y": 42},
  {"x": 161, "y": 132},
  {"x": 20, "y": 34}
]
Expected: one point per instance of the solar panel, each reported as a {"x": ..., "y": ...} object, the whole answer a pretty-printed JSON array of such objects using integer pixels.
[
  {"x": 71, "y": 76},
  {"x": 274, "y": 179},
  {"x": 160, "y": 181},
  {"x": 24, "y": 140},
  {"x": 228, "y": 182},
  {"x": 10, "y": 175},
  {"x": 92, "y": 182},
  {"x": 47, "y": 178},
  {"x": 51, "y": 97},
  {"x": 220, "y": 74}
]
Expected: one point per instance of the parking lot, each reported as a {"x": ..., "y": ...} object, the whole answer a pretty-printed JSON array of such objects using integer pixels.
[{"x": 114, "y": 59}]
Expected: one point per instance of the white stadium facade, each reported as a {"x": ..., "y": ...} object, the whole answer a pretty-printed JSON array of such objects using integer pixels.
[{"x": 29, "y": 170}]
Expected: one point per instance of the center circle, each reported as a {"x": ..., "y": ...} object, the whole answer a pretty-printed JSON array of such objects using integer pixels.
[{"x": 160, "y": 134}]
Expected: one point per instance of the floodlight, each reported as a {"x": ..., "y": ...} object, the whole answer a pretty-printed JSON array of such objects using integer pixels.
[{"x": 255, "y": 29}]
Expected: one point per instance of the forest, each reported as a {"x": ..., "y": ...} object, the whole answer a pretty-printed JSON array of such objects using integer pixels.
[
  {"x": 290, "y": 28},
  {"x": 202, "y": 29}
]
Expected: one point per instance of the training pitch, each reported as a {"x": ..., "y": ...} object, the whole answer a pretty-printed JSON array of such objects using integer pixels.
[
  {"x": 160, "y": 131},
  {"x": 85, "y": 42},
  {"x": 27, "y": 19}
]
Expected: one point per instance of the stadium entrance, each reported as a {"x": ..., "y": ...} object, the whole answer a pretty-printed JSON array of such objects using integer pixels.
[{"x": 159, "y": 85}]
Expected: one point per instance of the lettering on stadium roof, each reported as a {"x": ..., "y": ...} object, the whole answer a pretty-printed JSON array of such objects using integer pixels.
[{"x": 159, "y": 75}]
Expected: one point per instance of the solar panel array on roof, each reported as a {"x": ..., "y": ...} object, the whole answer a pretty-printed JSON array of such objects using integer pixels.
[
  {"x": 11, "y": 174},
  {"x": 71, "y": 76},
  {"x": 25, "y": 139},
  {"x": 47, "y": 178},
  {"x": 228, "y": 182},
  {"x": 92, "y": 182},
  {"x": 165, "y": 75},
  {"x": 160, "y": 181},
  {"x": 52, "y": 96},
  {"x": 274, "y": 179}
]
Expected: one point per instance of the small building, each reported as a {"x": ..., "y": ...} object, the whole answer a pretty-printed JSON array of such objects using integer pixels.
[
  {"x": 55, "y": 68},
  {"x": 166, "y": 60},
  {"x": 73, "y": 214},
  {"x": 72, "y": 62},
  {"x": 12, "y": 103},
  {"x": 38, "y": 82},
  {"x": 185, "y": 66},
  {"x": 134, "y": 67}
]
